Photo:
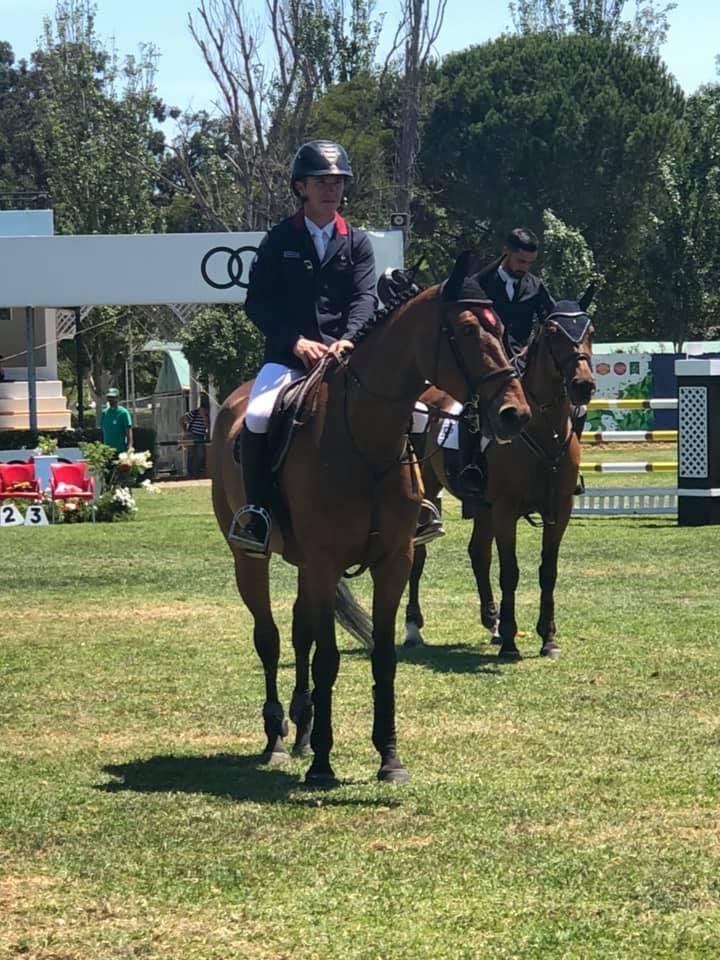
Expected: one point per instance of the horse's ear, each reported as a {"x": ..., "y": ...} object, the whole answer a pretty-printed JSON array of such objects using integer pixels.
[
  {"x": 586, "y": 299},
  {"x": 465, "y": 264}
]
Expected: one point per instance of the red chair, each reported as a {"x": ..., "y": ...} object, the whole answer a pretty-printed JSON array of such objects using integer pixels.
[
  {"x": 18, "y": 482},
  {"x": 71, "y": 481}
]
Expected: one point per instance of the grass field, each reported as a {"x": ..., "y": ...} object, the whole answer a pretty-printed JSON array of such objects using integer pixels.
[{"x": 558, "y": 809}]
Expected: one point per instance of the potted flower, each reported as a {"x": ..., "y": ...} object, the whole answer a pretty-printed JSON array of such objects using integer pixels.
[{"x": 99, "y": 458}]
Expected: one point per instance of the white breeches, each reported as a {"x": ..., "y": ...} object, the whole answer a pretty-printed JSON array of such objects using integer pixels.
[
  {"x": 268, "y": 383},
  {"x": 448, "y": 436}
]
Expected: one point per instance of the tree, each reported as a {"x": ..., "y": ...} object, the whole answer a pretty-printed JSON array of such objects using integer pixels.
[
  {"x": 682, "y": 248},
  {"x": 575, "y": 124},
  {"x": 266, "y": 100},
  {"x": 95, "y": 137},
  {"x": 21, "y": 169},
  {"x": 646, "y": 31},
  {"x": 222, "y": 345},
  {"x": 568, "y": 263},
  {"x": 420, "y": 26}
]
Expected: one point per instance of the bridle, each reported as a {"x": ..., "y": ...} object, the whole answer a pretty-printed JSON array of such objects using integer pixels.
[
  {"x": 566, "y": 367},
  {"x": 472, "y": 410}
]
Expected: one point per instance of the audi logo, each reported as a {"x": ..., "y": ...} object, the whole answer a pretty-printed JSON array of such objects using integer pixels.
[{"x": 223, "y": 267}]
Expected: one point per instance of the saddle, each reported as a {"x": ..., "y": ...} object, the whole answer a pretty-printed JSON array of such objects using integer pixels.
[{"x": 296, "y": 405}]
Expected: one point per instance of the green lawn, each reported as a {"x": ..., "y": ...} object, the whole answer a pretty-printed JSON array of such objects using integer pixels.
[{"x": 558, "y": 809}]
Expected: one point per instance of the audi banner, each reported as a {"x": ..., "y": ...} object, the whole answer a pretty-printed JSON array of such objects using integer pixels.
[{"x": 61, "y": 271}]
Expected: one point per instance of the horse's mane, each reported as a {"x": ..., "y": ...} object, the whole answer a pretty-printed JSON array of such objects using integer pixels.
[{"x": 396, "y": 299}]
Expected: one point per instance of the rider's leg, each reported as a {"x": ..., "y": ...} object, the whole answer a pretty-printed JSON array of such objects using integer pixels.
[
  {"x": 251, "y": 525},
  {"x": 579, "y": 416},
  {"x": 471, "y": 475},
  {"x": 430, "y": 525}
]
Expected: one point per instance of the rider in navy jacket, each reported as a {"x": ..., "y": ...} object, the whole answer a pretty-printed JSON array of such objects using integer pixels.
[
  {"x": 311, "y": 289},
  {"x": 293, "y": 294}
]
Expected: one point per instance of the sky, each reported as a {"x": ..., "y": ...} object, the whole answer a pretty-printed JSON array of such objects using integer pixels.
[{"x": 183, "y": 79}]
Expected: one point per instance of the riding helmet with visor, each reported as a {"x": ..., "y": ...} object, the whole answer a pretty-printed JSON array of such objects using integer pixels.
[{"x": 320, "y": 158}]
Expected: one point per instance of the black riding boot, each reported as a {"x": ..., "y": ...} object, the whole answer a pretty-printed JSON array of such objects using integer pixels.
[
  {"x": 578, "y": 425},
  {"x": 470, "y": 480},
  {"x": 251, "y": 525},
  {"x": 430, "y": 525}
]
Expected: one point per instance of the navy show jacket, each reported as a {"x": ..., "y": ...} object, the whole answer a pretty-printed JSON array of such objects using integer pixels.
[
  {"x": 291, "y": 294},
  {"x": 531, "y": 300}
]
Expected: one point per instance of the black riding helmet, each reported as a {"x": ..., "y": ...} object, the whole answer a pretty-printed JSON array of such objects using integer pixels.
[{"x": 320, "y": 158}]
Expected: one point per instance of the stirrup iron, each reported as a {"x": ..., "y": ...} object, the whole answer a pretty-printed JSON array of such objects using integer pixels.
[
  {"x": 236, "y": 533},
  {"x": 432, "y": 528}
]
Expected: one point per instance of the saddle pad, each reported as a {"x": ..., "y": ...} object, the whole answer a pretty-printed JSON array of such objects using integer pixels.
[{"x": 291, "y": 410}]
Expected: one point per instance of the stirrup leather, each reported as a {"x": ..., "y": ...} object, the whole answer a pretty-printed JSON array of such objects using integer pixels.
[
  {"x": 432, "y": 528},
  {"x": 238, "y": 535}
]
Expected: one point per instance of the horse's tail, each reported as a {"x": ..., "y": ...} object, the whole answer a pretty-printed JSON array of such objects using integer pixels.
[{"x": 350, "y": 615}]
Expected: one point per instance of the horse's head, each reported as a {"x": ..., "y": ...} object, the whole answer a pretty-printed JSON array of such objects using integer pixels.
[
  {"x": 566, "y": 335},
  {"x": 470, "y": 361}
]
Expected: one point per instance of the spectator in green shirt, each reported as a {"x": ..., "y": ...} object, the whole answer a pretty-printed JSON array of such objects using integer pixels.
[{"x": 116, "y": 423}]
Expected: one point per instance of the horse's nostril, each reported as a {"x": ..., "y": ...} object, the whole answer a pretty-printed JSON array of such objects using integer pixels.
[{"x": 512, "y": 420}]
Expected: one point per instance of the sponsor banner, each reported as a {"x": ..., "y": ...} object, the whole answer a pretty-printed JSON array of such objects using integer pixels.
[
  {"x": 141, "y": 269},
  {"x": 619, "y": 376}
]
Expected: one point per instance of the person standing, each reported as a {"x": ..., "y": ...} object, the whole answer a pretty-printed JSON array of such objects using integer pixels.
[
  {"x": 311, "y": 289},
  {"x": 116, "y": 423},
  {"x": 196, "y": 424}
]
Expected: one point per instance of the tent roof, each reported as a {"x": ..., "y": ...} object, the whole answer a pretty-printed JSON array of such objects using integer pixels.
[{"x": 174, "y": 373}]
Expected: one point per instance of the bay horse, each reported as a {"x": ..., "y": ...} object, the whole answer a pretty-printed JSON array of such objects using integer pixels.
[
  {"x": 535, "y": 473},
  {"x": 349, "y": 494}
]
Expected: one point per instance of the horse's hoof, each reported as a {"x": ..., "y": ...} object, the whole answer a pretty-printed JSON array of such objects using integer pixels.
[
  {"x": 413, "y": 637},
  {"x": 551, "y": 650},
  {"x": 321, "y": 778},
  {"x": 302, "y": 750},
  {"x": 496, "y": 639},
  {"x": 275, "y": 758},
  {"x": 510, "y": 654},
  {"x": 393, "y": 772}
]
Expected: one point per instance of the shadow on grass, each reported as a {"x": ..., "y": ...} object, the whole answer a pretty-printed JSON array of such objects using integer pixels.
[
  {"x": 448, "y": 658},
  {"x": 235, "y": 777}
]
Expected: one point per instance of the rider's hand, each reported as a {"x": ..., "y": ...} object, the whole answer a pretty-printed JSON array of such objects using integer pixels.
[
  {"x": 309, "y": 351},
  {"x": 341, "y": 346}
]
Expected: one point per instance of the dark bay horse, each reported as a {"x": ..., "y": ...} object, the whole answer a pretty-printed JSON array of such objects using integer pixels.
[
  {"x": 536, "y": 473},
  {"x": 351, "y": 495}
]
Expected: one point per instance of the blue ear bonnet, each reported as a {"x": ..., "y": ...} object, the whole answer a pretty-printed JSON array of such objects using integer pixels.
[{"x": 571, "y": 319}]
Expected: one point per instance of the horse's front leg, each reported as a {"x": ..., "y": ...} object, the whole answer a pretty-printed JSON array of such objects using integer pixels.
[
  {"x": 505, "y": 533},
  {"x": 552, "y": 537},
  {"x": 389, "y": 580},
  {"x": 414, "y": 621},
  {"x": 301, "y": 711},
  {"x": 252, "y": 578},
  {"x": 318, "y": 600},
  {"x": 480, "y": 552}
]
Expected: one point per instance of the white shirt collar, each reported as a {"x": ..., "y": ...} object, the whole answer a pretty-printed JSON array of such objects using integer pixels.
[
  {"x": 321, "y": 235},
  {"x": 510, "y": 282}
]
